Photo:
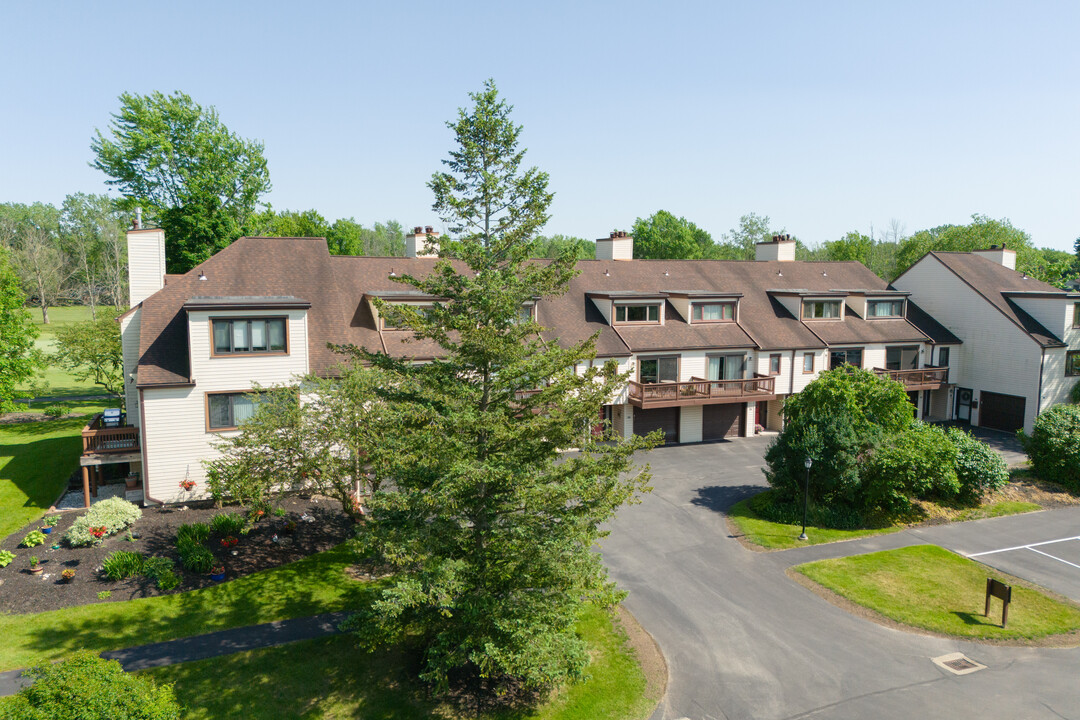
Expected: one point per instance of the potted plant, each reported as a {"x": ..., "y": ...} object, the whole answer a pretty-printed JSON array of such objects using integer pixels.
[
  {"x": 187, "y": 485},
  {"x": 49, "y": 523},
  {"x": 217, "y": 574},
  {"x": 35, "y": 568},
  {"x": 67, "y": 575},
  {"x": 229, "y": 542}
]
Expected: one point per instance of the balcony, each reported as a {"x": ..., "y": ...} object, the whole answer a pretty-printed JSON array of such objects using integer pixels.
[
  {"x": 100, "y": 438},
  {"x": 701, "y": 392},
  {"x": 927, "y": 378}
]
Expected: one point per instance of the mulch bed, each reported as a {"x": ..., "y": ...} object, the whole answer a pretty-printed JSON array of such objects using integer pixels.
[{"x": 155, "y": 534}]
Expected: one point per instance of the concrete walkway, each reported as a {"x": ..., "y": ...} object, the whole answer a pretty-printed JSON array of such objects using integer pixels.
[{"x": 201, "y": 647}]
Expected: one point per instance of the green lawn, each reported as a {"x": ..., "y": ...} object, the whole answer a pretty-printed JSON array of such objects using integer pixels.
[
  {"x": 310, "y": 586},
  {"x": 60, "y": 381},
  {"x": 779, "y": 536},
  {"x": 928, "y": 587},
  {"x": 331, "y": 678},
  {"x": 36, "y": 460}
]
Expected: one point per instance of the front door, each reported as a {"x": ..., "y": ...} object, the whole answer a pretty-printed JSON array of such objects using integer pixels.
[{"x": 963, "y": 404}]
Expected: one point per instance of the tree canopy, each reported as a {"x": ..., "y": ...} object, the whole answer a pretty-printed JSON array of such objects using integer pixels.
[
  {"x": 200, "y": 182},
  {"x": 663, "y": 236},
  {"x": 91, "y": 350},
  {"x": 18, "y": 357}
]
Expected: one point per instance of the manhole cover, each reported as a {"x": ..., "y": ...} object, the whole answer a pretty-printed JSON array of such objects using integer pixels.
[{"x": 957, "y": 664}]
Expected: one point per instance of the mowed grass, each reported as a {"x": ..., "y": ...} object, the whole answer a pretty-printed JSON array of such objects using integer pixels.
[
  {"x": 928, "y": 587},
  {"x": 36, "y": 459},
  {"x": 333, "y": 678},
  {"x": 780, "y": 536},
  {"x": 314, "y": 585},
  {"x": 60, "y": 382}
]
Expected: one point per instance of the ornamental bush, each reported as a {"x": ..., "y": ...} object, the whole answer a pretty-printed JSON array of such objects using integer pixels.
[
  {"x": 89, "y": 688},
  {"x": 114, "y": 514},
  {"x": 122, "y": 564},
  {"x": 226, "y": 524},
  {"x": 1054, "y": 445},
  {"x": 978, "y": 468},
  {"x": 918, "y": 463}
]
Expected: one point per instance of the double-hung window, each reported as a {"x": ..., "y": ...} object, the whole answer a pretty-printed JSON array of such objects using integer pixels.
[
  {"x": 821, "y": 309},
  {"x": 225, "y": 411},
  {"x": 235, "y": 336},
  {"x": 637, "y": 313},
  {"x": 1072, "y": 363}
]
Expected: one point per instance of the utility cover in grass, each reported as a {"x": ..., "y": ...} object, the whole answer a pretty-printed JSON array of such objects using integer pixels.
[{"x": 928, "y": 587}]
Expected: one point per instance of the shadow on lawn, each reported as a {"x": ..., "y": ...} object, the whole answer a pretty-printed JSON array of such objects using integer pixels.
[{"x": 975, "y": 619}]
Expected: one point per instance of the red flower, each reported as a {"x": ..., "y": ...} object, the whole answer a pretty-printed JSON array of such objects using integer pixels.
[
  {"x": 98, "y": 532},
  {"x": 229, "y": 542}
]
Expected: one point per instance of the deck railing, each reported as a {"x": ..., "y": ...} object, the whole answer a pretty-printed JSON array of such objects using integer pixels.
[
  {"x": 701, "y": 392},
  {"x": 927, "y": 378},
  {"x": 98, "y": 439}
]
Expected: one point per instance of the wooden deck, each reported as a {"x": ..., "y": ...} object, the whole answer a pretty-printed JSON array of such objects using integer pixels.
[
  {"x": 701, "y": 392},
  {"x": 927, "y": 378}
]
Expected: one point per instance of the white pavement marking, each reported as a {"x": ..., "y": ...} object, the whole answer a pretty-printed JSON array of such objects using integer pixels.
[
  {"x": 1025, "y": 547},
  {"x": 1054, "y": 558}
]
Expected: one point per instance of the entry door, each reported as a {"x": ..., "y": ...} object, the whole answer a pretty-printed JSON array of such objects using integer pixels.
[
  {"x": 902, "y": 358},
  {"x": 659, "y": 369},
  {"x": 963, "y": 404},
  {"x": 725, "y": 367}
]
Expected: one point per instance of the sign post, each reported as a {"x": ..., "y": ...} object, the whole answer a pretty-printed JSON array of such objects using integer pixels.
[{"x": 998, "y": 589}]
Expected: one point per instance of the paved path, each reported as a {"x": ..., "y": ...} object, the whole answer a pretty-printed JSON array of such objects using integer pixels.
[
  {"x": 744, "y": 641},
  {"x": 200, "y": 647}
]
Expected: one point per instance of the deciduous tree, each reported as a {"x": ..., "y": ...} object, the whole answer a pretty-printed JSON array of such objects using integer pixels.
[
  {"x": 18, "y": 358},
  {"x": 91, "y": 350},
  {"x": 664, "y": 236},
  {"x": 200, "y": 182}
]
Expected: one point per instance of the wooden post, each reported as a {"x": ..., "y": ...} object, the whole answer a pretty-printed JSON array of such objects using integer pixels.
[
  {"x": 96, "y": 480},
  {"x": 85, "y": 486},
  {"x": 998, "y": 589},
  {"x": 986, "y": 612}
]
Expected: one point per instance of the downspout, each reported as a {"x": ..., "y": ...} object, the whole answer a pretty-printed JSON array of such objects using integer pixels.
[
  {"x": 142, "y": 445},
  {"x": 1042, "y": 366}
]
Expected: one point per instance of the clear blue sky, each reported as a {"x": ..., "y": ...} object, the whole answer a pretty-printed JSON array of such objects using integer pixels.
[{"x": 827, "y": 117}]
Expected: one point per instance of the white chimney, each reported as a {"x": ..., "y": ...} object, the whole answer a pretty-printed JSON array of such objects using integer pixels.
[
  {"x": 146, "y": 261},
  {"x": 781, "y": 248},
  {"x": 416, "y": 245},
  {"x": 617, "y": 246},
  {"x": 1000, "y": 255}
]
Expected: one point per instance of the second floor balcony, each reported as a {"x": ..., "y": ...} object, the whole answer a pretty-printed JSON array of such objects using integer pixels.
[
  {"x": 927, "y": 378},
  {"x": 105, "y": 436},
  {"x": 701, "y": 392}
]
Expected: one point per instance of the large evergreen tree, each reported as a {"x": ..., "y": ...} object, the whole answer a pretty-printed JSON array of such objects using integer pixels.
[{"x": 489, "y": 530}]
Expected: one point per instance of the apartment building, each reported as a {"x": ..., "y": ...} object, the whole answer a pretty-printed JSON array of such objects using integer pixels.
[{"x": 712, "y": 347}]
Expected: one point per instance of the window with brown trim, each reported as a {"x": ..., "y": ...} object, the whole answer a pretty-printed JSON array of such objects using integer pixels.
[
  {"x": 1076, "y": 315},
  {"x": 774, "y": 364},
  {"x": 226, "y": 410},
  {"x": 884, "y": 308},
  {"x": 637, "y": 313},
  {"x": 821, "y": 310},
  {"x": 663, "y": 369},
  {"x": 1072, "y": 363},
  {"x": 247, "y": 336},
  {"x": 808, "y": 362},
  {"x": 713, "y": 312},
  {"x": 389, "y": 325}
]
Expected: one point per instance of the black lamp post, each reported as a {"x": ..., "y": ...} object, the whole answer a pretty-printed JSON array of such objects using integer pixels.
[{"x": 806, "y": 496}]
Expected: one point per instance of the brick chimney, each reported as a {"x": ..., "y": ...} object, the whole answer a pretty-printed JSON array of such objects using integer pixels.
[
  {"x": 146, "y": 260},
  {"x": 781, "y": 248},
  {"x": 617, "y": 246},
  {"x": 1000, "y": 255},
  {"x": 422, "y": 243}
]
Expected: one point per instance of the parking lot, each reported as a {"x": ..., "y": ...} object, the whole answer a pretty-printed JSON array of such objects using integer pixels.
[{"x": 1051, "y": 563}]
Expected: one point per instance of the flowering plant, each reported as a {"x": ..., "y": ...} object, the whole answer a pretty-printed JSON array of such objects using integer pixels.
[
  {"x": 187, "y": 484},
  {"x": 68, "y": 574},
  {"x": 229, "y": 542},
  {"x": 219, "y": 570},
  {"x": 98, "y": 532}
]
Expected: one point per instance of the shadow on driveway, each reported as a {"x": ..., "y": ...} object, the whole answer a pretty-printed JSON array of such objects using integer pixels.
[{"x": 720, "y": 498}]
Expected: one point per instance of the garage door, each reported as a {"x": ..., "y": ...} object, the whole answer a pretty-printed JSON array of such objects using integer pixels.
[
  {"x": 1001, "y": 412},
  {"x": 721, "y": 421},
  {"x": 666, "y": 419}
]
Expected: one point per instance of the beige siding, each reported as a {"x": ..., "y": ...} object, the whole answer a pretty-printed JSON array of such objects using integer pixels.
[
  {"x": 996, "y": 355},
  {"x": 129, "y": 345},
  {"x": 146, "y": 264},
  {"x": 682, "y": 306},
  {"x": 604, "y": 306},
  {"x": 241, "y": 372},
  {"x": 775, "y": 420},
  {"x": 690, "y": 424},
  {"x": 821, "y": 362}
]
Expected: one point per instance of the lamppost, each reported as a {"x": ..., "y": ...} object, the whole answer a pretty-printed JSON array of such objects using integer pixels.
[{"x": 806, "y": 496}]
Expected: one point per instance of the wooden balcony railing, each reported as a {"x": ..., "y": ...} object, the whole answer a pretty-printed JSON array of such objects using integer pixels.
[
  {"x": 927, "y": 378},
  {"x": 701, "y": 392},
  {"x": 98, "y": 439}
]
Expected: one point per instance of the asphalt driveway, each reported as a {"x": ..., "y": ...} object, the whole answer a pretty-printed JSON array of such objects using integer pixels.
[{"x": 744, "y": 641}]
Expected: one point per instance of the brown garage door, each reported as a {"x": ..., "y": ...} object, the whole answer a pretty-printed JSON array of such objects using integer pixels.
[
  {"x": 666, "y": 419},
  {"x": 1001, "y": 412},
  {"x": 721, "y": 421}
]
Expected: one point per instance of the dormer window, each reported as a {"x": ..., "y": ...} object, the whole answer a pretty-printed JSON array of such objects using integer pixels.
[
  {"x": 245, "y": 336},
  {"x": 821, "y": 309},
  {"x": 713, "y": 312},
  {"x": 1076, "y": 315},
  {"x": 387, "y": 324},
  {"x": 644, "y": 313},
  {"x": 884, "y": 308},
  {"x": 526, "y": 313}
]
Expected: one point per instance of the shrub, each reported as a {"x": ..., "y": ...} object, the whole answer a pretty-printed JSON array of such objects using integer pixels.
[
  {"x": 196, "y": 532},
  {"x": 6, "y": 556},
  {"x": 33, "y": 539},
  {"x": 89, "y": 688},
  {"x": 160, "y": 570},
  {"x": 1074, "y": 394},
  {"x": 226, "y": 524},
  {"x": 114, "y": 514},
  {"x": 920, "y": 462},
  {"x": 197, "y": 558},
  {"x": 168, "y": 581},
  {"x": 55, "y": 412},
  {"x": 978, "y": 468},
  {"x": 1054, "y": 445},
  {"x": 122, "y": 564}
]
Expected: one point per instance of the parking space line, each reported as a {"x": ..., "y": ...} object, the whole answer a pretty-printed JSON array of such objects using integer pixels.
[
  {"x": 1054, "y": 558},
  {"x": 1025, "y": 547}
]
